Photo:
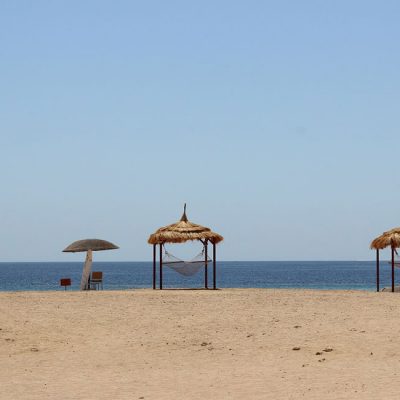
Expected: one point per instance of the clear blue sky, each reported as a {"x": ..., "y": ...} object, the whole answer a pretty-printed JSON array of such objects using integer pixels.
[{"x": 276, "y": 121}]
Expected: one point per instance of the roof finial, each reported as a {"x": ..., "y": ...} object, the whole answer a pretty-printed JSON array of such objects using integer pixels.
[{"x": 184, "y": 217}]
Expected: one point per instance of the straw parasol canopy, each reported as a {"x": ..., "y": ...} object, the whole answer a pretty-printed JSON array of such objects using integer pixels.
[
  {"x": 90, "y": 244},
  {"x": 182, "y": 231},
  {"x": 387, "y": 239}
]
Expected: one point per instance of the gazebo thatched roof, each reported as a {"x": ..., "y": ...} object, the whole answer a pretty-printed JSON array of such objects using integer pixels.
[
  {"x": 183, "y": 231},
  {"x": 387, "y": 239},
  {"x": 90, "y": 244}
]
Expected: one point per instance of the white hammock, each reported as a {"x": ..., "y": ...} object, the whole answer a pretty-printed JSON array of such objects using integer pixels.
[{"x": 186, "y": 268}]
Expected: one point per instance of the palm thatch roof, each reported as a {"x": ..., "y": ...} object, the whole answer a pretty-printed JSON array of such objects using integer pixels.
[
  {"x": 89, "y": 244},
  {"x": 387, "y": 239},
  {"x": 182, "y": 231}
]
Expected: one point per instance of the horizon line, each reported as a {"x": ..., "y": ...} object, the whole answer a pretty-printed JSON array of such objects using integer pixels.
[{"x": 150, "y": 261}]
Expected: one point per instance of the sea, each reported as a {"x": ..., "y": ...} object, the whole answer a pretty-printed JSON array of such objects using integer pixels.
[{"x": 326, "y": 275}]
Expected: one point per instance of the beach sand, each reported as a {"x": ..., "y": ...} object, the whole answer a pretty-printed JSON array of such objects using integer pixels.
[{"x": 196, "y": 344}]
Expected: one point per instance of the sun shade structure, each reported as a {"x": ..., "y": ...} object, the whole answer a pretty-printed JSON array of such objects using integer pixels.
[
  {"x": 88, "y": 245},
  {"x": 387, "y": 239},
  {"x": 181, "y": 232}
]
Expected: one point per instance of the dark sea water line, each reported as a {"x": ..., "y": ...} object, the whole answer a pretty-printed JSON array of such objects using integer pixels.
[{"x": 357, "y": 275}]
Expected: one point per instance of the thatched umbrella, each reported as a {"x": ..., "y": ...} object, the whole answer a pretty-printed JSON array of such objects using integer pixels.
[
  {"x": 387, "y": 239},
  {"x": 88, "y": 245},
  {"x": 181, "y": 232}
]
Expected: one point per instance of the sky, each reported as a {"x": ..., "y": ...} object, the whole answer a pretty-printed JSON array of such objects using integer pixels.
[{"x": 277, "y": 122}]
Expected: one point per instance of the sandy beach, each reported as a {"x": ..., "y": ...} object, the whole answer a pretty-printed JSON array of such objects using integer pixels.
[{"x": 188, "y": 344}]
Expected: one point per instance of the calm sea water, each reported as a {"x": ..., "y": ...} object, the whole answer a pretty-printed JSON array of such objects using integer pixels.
[{"x": 265, "y": 274}]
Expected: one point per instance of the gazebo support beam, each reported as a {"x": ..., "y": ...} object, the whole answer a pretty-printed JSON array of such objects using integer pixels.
[
  {"x": 214, "y": 266},
  {"x": 161, "y": 266},
  {"x": 154, "y": 265},
  {"x": 392, "y": 269},
  {"x": 206, "y": 264},
  {"x": 377, "y": 270}
]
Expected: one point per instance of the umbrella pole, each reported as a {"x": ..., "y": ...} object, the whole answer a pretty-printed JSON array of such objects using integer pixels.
[
  {"x": 214, "y": 266},
  {"x": 154, "y": 266},
  {"x": 86, "y": 271},
  {"x": 392, "y": 269},
  {"x": 160, "y": 266},
  {"x": 206, "y": 264},
  {"x": 377, "y": 270}
]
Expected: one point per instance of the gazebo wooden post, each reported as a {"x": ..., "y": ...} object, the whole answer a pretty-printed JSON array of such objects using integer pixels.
[
  {"x": 214, "y": 266},
  {"x": 160, "y": 266},
  {"x": 377, "y": 270},
  {"x": 206, "y": 264},
  {"x": 392, "y": 269},
  {"x": 154, "y": 265}
]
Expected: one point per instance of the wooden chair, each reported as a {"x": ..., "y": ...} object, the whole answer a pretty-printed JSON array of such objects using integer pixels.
[{"x": 96, "y": 280}]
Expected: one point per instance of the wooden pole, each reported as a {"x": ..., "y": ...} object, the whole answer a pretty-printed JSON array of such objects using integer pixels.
[
  {"x": 214, "y": 266},
  {"x": 392, "y": 269},
  {"x": 377, "y": 270},
  {"x": 85, "y": 280},
  {"x": 154, "y": 265},
  {"x": 206, "y": 264},
  {"x": 160, "y": 266}
]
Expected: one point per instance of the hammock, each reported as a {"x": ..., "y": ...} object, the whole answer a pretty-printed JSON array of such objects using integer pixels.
[
  {"x": 186, "y": 268},
  {"x": 396, "y": 259}
]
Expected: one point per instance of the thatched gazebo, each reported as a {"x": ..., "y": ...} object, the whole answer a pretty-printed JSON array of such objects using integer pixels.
[
  {"x": 181, "y": 232},
  {"x": 387, "y": 239}
]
